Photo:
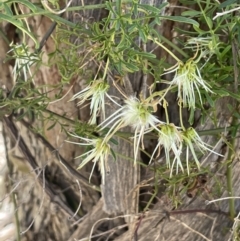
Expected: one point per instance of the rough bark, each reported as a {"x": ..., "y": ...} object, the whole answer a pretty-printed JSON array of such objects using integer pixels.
[
  {"x": 48, "y": 193},
  {"x": 46, "y": 181}
]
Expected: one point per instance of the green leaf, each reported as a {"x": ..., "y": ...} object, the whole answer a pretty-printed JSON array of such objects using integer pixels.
[
  {"x": 209, "y": 99},
  {"x": 113, "y": 154},
  {"x": 221, "y": 92},
  {"x": 7, "y": 9},
  {"x": 235, "y": 96},
  {"x": 234, "y": 131},
  {"x": 225, "y": 51},
  {"x": 110, "y": 8},
  {"x": 50, "y": 127},
  {"x": 119, "y": 6},
  {"x": 181, "y": 19},
  {"x": 227, "y": 3},
  {"x": 191, "y": 116},
  {"x": 223, "y": 77},
  {"x": 200, "y": 31},
  {"x": 209, "y": 22},
  {"x": 192, "y": 13},
  {"x": 151, "y": 8},
  {"x": 146, "y": 55},
  {"x": 114, "y": 141},
  {"x": 122, "y": 42},
  {"x": 21, "y": 116},
  {"x": 143, "y": 35},
  {"x": 230, "y": 107},
  {"x": 19, "y": 25},
  {"x": 27, "y": 3},
  {"x": 129, "y": 67}
]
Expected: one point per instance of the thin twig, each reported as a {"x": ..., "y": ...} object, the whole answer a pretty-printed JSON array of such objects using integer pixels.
[
  {"x": 62, "y": 161},
  {"x": 17, "y": 223},
  {"x": 32, "y": 162}
]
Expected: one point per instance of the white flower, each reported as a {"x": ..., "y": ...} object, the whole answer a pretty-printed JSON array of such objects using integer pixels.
[
  {"x": 188, "y": 79},
  {"x": 95, "y": 92},
  {"x": 192, "y": 139},
  {"x": 136, "y": 114},
  {"x": 23, "y": 61},
  {"x": 170, "y": 139},
  {"x": 98, "y": 154},
  {"x": 207, "y": 45}
]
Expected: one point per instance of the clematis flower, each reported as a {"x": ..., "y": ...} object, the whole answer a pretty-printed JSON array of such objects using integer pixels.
[
  {"x": 23, "y": 60},
  {"x": 193, "y": 140},
  {"x": 98, "y": 154},
  {"x": 188, "y": 79},
  {"x": 207, "y": 45},
  {"x": 170, "y": 139},
  {"x": 96, "y": 92},
  {"x": 136, "y": 114}
]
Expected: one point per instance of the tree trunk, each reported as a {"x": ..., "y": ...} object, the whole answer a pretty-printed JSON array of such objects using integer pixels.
[{"x": 50, "y": 190}]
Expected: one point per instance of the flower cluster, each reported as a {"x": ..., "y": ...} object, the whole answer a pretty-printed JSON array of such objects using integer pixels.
[
  {"x": 23, "y": 61},
  {"x": 100, "y": 149},
  {"x": 170, "y": 139},
  {"x": 139, "y": 115},
  {"x": 136, "y": 114},
  {"x": 174, "y": 140},
  {"x": 193, "y": 140},
  {"x": 96, "y": 92},
  {"x": 188, "y": 79},
  {"x": 208, "y": 45}
]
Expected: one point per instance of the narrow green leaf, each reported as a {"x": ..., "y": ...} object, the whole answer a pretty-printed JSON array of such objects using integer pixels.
[
  {"x": 181, "y": 19},
  {"x": 27, "y": 3},
  {"x": 130, "y": 67},
  {"x": 200, "y": 31},
  {"x": 225, "y": 51},
  {"x": 209, "y": 22},
  {"x": 122, "y": 42},
  {"x": 209, "y": 99},
  {"x": 221, "y": 92},
  {"x": 227, "y": 3},
  {"x": 118, "y": 6},
  {"x": 114, "y": 141},
  {"x": 19, "y": 25},
  {"x": 50, "y": 127},
  {"x": 192, "y": 13},
  {"x": 230, "y": 107},
  {"x": 143, "y": 35},
  {"x": 191, "y": 116},
  {"x": 146, "y": 55},
  {"x": 235, "y": 96},
  {"x": 113, "y": 154},
  {"x": 151, "y": 8},
  {"x": 7, "y": 9},
  {"x": 223, "y": 77}
]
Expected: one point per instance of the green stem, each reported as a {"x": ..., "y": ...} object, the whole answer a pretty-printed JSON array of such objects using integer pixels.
[
  {"x": 162, "y": 46},
  {"x": 41, "y": 11},
  {"x": 166, "y": 111},
  {"x": 106, "y": 69},
  {"x": 174, "y": 46},
  {"x": 16, "y": 216},
  {"x": 180, "y": 114},
  {"x": 231, "y": 152},
  {"x": 229, "y": 181},
  {"x": 218, "y": 130},
  {"x": 153, "y": 196},
  {"x": 13, "y": 194},
  {"x": 200, "y": 133}
]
